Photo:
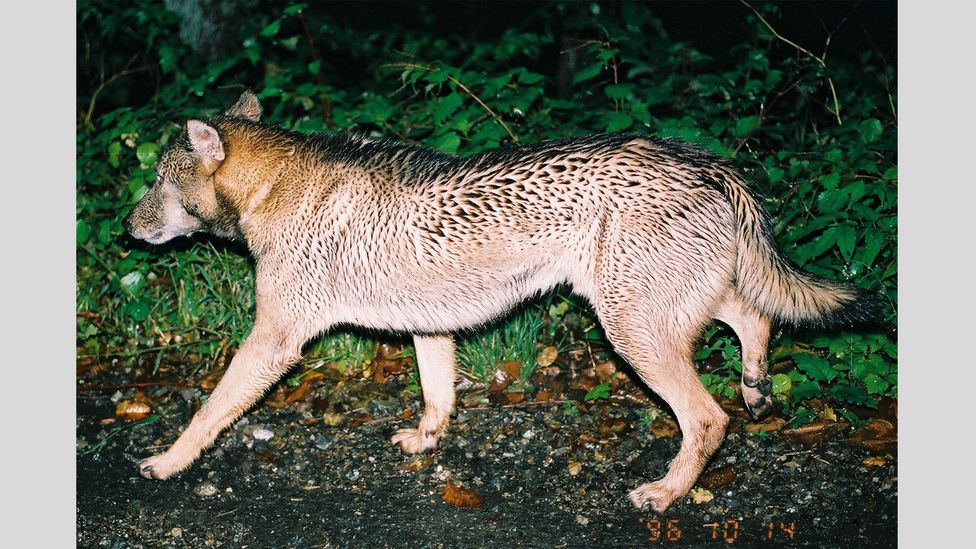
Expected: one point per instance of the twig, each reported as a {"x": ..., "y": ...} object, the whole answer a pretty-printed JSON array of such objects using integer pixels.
[
  {"x": 821, "y": 60},
  {"x": 126, "y": 71},
  {"x": 466, "y": 90}
]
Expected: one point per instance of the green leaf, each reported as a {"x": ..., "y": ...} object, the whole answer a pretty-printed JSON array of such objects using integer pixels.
[
  {"x": 814, "y": 367},
  {"x": 781, "y": 383},
  {"x": 587, "y": 73},
  {"x": 446, "y": 106},
  {"x": 147, "y": 152},
  {"x": 745, "y": 125},
  {"x": 775, "y": 174},
  {"x": 806, "y": 389},
  {"x": 271, "y": 29},
  {"x": 846, "y": 239},
  {"x": 136, "y": 310},
  {"x": 875, "y": 384},
  {"x": 846, "y": 392},
  {"x": 619, "y": 91},
  {"x": 114, "y": 150},
  {"x": 449, "y": 142},
  {"x": 870, "y": 129},
  {"x": 133, "y": 281},
  {"x": 619, "y": 121},
  {"x": 600, "y": 392},
  {"x": 82, "y": 231}
]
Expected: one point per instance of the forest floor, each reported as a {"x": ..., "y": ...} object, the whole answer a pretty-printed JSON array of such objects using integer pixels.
[{"x": 312, "y": 466}]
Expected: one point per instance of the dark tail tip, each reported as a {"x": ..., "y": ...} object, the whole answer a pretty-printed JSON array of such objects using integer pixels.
[{"x": 864, "y": 311}]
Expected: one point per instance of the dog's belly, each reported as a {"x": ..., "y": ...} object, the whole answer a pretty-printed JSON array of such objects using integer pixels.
[{"x": 445, "y": 305}]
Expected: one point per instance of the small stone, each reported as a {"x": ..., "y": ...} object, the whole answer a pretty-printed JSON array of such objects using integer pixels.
[
  {"x": 205, "y": 490},
  {"x": 262, "y": 434},
  {"x": 581, "y": 520},
  {"x": 176, "y": 532},
  {"x": 322, "y": 442}
]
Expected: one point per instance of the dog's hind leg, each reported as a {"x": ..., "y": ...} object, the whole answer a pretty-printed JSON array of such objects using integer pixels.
[
  {"x": 435, "y": 361},
  {"x": 663, "y": 360},
  {"x": 752, "y": 327},
  {"x": 261, "y": 360}
]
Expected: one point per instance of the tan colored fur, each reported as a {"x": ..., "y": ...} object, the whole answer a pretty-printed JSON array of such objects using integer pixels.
[{"x": 660, "y": 237}]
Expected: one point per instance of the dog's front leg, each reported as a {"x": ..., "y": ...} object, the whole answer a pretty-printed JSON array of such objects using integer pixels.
[
  {"x": 261, "y": 360},
  {"x": 435, "y": 360}
]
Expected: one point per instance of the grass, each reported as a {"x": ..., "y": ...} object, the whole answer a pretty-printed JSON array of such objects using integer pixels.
[{"x": 480, "y": 354}]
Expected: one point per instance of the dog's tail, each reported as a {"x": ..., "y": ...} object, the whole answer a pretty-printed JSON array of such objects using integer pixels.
[{"x": 769, "y": 280}]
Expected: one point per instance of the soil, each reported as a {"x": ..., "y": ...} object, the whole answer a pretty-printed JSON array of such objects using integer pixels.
[{"x": 522, "y": 474}]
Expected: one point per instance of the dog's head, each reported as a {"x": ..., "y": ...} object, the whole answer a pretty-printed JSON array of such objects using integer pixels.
[{"x": 183, "y": 199}]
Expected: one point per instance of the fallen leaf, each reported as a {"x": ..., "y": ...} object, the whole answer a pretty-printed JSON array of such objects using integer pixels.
[
  {"x": 605, "y": 370},
  {"x": 515, "y": 397},
  {"x": 664, "y": 427},
  {"x": 875, "y": 461},
  {"x": 701, "y": 495},
  {"x": 543, "y": 396},
  {"x": 415, "y": 465},
  {"x": 547, "y": 356},
  {"x": 574, "y": 467},
  {"x": 878, "y": 436},
  {"x": 332, "y": 419},
  {"x": 139, "y": 408},
  {"x": 611, "y": 426},
  {"x": 818, "y": 431},
  {"x": 512, "y": 368},
  {"x": 462, "y": 497},
  {"x": 209, "y": 381},
  {"x": 717, "y": 478},
  {"x": 769, "y": 425},
  {"x": 298, "y": 393}
]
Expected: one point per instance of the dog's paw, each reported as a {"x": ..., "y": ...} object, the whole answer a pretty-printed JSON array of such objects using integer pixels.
[
  {"x": 757, "y": 398},
  {"x": 413, "y": 441},
  {"x": 655, "y": 494},
  {"x": 158, "y": 467}
]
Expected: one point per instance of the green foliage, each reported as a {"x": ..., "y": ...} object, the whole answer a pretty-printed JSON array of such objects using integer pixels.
[
  {"x": 598, "y": 392},
  {"x": 480, "y": 354},
  {"x": 831, "y": 187}
]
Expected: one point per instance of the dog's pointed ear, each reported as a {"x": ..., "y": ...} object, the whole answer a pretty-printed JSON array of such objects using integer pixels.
[
  {"x": 247, "y": 106},
  {"x": 205, "y": 141}
]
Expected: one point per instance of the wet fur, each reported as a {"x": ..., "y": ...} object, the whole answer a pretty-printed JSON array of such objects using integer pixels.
[{"x": 660, "y": 236}]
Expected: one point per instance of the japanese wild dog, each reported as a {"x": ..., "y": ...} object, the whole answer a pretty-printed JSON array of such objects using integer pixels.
[{"x": 659, "y": 236}]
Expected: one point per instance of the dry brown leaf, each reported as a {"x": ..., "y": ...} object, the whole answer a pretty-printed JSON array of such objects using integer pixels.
[
  {"x": 512, "y": 368},
  {"x": 415, "y": 465},
  {"x": 543, "y": 396},
  {"x": 818, "y": 431},
  {"x": 139, "y": 408},
  {"x": 878, "y": 436},
  {"x": 875, "y": 461},
  {"x": 717, "y": 478},
  {"x": 574, "y": 467},
  {"x": 611, "y": 426},
  {"x": 462, "y": 497},
  {"x": 769, "y": 425},
  {"x": 664, "y": 427},
  {"x": 515, "y": 397},
  {"x": 209, "y": 381},
  {"x": 298, "y": 393},
  {"x": 701, "y": 495},
  {"x": 605, "y": 370},
  {"x": 547, "y": 356}
]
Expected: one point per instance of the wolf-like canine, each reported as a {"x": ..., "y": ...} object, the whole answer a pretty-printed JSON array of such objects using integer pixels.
[{"x": 659, "y": 236}]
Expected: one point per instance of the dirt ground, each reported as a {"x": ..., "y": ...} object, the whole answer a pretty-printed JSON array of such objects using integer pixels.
[{"x": 299, "y": 472}]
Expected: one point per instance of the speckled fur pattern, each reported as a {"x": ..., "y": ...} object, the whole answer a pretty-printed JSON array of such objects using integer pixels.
[{"x": 660, "y": 236}]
